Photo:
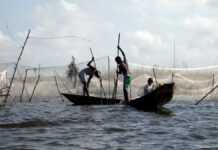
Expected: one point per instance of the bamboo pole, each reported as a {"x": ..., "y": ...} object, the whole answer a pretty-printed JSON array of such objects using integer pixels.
[
  {"x": 23, "y": 87},
  {"x": 109, "y": 84},
  {"x": 16, "y": 65},
  {"x": 37, "y": 82},
  {"x": 58, "y": 89},
  {"x": 65, "y": 86},
  {"x": 208, "y": 93},
  {"x": 154, "y": 74}
]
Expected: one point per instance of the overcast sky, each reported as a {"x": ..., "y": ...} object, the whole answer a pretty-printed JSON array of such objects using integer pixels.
[{"x": 148, "y": 29}]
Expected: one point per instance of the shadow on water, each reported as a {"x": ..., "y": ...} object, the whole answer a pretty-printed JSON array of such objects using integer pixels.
[
  {"x": 162, "y": 111},
  {"x": 28, "y": 124},
  {"x": 165, "y": 111}
]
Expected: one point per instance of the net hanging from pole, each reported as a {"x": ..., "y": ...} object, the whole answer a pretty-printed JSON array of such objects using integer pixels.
[{"x": 191, "y": 83}]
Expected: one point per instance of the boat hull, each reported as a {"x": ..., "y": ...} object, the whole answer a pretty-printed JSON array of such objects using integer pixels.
[
  {"x": 150, "y": 102},
  {"x": 90, "y": 100}
]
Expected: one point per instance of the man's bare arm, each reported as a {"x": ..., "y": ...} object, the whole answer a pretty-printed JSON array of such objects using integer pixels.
[
  {"x": 124, "y": 56},
  {"x": 89, "y": 63}
]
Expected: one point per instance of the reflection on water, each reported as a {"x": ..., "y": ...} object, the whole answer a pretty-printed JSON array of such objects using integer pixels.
[{"x": 58, "y": 125}]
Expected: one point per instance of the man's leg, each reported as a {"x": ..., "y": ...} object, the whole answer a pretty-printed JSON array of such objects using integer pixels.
[
  {"x": 125, "y": 90},
  {"x": 126, "y": 95},
  {"x": 86, "y": 89}
]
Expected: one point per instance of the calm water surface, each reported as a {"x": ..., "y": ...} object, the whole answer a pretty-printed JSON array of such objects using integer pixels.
[{"x": 59, "y": 125}]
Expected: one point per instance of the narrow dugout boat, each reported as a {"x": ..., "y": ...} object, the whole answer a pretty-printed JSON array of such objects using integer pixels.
[{"x": 150, "y": 102}]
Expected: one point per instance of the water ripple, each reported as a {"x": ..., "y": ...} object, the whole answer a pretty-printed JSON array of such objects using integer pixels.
[{"x": 57, "y": 125}]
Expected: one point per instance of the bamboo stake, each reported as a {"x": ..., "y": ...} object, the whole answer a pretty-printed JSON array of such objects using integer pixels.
[
  {"x": 208, "y": 93},
  {"x": 109, "y": 86},
  {"x": 154, "y": 74},
  {"x": 16, "y": 65},
  {"x": 65, "y": 86},
  {"x": 58, "y": 89},
  {"x": 37, "y": 82},
  {"x": 24, "y": 82}
]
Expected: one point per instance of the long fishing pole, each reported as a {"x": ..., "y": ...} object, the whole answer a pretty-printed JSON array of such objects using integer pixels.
[
  {"x": 96, "y": 69},
  {"x": 93, "y": 57},
  {"x": 16, "y": 65},
  {"x": 114, "y": 95},
  {"x": 154, "y": 74}
]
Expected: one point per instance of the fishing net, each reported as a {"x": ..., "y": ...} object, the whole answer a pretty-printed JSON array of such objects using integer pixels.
[
  {"x": 190, "y": 83},
  {"x": 44, "y": 82}
]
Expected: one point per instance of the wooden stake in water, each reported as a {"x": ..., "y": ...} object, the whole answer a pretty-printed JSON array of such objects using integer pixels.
[
  {"x": 16, "y": 65},
  {"x": 58, "y": 89},
  {"x": 37, "y": 82},
  {"x": 109, "y": 86},
  {"x": 208, "y": 93},
  {"x": 24, "y": 83}
]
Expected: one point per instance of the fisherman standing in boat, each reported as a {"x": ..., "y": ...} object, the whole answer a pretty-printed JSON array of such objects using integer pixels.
[
  {"x": 124, "y": 70},
  {"x": 90, "y": 71},
  {"x": 72, "y": 71}
]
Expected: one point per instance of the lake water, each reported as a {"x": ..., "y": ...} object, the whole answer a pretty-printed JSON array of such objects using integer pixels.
[{"x": 53, "y": 124}]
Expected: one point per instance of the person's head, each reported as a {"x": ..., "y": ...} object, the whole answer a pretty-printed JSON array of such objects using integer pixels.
[
  {"x": 118, "y": 60},
  {"x": 73, "y": 58},
  {"x": 150, "y": 81},
  {"x": 98, "y": 74}
]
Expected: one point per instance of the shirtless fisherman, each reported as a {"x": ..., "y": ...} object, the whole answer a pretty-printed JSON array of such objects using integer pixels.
[{"x": 124, "y": 70}]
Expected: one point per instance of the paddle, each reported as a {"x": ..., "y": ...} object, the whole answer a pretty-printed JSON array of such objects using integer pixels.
[
  {"x": 101, "y": 85},
  {"x": 117, "y": 75},
  {"x": 208, "y": 93}
]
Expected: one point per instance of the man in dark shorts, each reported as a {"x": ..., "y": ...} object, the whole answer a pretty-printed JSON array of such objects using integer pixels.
[
  {"x": 124, "y": 70},
  {"x": 90, "y": 71}
]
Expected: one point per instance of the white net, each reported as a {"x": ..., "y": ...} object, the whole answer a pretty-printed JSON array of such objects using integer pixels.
[{"x": 190, "y": 84}]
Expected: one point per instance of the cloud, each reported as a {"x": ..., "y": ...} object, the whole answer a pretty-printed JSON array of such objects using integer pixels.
[
  {"x": 63, "y": 18},
  {"x": 143, "y": 41},
  {"x": 201, "y": 23},
  {"x": 7, "y": 47},
  {"x": 148, "y": 29}
]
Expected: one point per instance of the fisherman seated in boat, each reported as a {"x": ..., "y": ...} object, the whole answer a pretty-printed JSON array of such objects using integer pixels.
[
  {"x": 90, "y": 71},
  {"x": 124, "y": 70},
  {"x": 149, "y": 87}
]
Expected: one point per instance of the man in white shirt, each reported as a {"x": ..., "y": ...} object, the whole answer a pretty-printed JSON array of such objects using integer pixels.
[{"x": 149, "y": 87}]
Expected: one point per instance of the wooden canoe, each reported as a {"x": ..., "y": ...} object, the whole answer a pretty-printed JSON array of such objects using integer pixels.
[{"x": 150, "y": 102}]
